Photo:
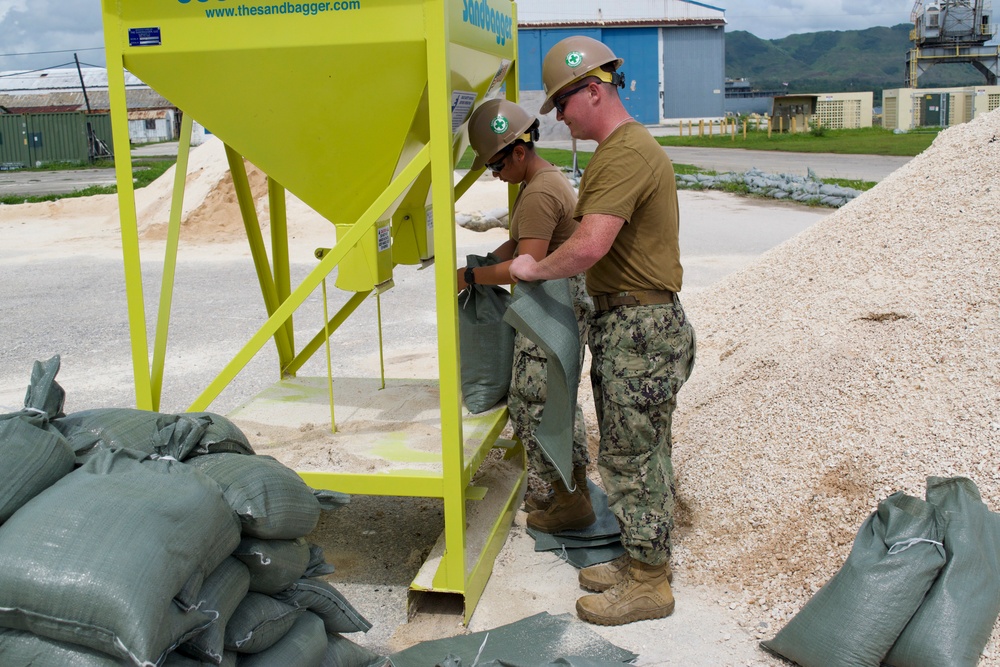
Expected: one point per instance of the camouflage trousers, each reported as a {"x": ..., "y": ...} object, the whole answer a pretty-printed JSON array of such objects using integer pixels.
[
  {"x": 526, "y": 398},
  {"x": 641, "y": 357}
]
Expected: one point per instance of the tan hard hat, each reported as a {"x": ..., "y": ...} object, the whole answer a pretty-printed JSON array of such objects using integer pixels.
[
  {"x": 572, "y": 59},
  {"x": 495, "y": 125}
]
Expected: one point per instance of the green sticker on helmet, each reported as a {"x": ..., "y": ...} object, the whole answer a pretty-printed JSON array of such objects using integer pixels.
[
  {"x": 574, "y": 59},
  {"x": 499, "y": 125}
]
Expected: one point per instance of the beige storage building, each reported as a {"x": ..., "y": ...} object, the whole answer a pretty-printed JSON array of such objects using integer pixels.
[{"x": 908, "y": 108}]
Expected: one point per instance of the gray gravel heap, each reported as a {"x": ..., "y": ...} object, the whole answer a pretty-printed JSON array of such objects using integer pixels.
[
  {"x": 852, "y": 361},
  {"x": 806, "y": 189}
]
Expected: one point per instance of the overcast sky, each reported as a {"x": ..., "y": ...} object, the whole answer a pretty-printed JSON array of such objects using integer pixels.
[{"x": 36, "y": 34}]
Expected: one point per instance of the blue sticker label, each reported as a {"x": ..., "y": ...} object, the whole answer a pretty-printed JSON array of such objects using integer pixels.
[{"x": 144, "y": 37}]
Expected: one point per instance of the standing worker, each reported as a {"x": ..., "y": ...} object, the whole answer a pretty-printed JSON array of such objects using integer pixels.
[
  {"x": 641, "y": 343},
  {"x": 502, "y": 135}
]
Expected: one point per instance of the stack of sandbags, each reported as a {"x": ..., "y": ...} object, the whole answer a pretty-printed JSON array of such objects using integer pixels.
[{"x": 167, "y": 542}]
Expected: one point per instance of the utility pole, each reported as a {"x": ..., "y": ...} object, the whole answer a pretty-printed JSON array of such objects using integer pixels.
[{"x": 82, "y": 84}]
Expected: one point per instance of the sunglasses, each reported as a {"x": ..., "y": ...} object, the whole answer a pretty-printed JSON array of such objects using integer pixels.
[
  {"x": 560, "y": 102},
  {"x": 499, "y": 164}
]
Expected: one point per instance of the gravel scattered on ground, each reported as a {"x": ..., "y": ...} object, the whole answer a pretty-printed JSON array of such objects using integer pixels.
[{"x": 850, "y": 362}]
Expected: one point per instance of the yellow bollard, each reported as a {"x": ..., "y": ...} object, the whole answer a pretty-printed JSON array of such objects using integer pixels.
[
  {"x": 701, "y": 128},
  {"x": 711, "y": 124},
  {"x": 781, "y": 124},
  {"x": 744, "y": 129},
  {"x": 793, "y": 125},
  {"x": 769, "y": 119}
]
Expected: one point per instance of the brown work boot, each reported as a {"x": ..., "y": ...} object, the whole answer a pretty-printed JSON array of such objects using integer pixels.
[
  {"x": 644, "y": 593},
  {"x": 535, "y": 501},
  {"x": 601, "y": 577},
  {"x": 538, "y": 501},
  {"x": 570, "y": 510}
]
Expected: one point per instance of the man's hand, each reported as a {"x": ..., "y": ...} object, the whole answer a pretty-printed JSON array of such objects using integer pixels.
[{"x": 524, "y": 268}]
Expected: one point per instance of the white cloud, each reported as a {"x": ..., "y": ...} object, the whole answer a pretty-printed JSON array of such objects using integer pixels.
[
  {"x": 44, "y": 26},
  {"x": 772, "y": 19}
]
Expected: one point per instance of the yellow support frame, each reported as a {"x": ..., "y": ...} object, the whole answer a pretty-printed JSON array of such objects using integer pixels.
[{"x": 458, "y": 572}]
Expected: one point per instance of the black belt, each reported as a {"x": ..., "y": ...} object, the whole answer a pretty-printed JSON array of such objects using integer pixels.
[{"x": 645, "y": 297}]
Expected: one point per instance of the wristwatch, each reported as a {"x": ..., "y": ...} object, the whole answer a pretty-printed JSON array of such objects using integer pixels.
[{"x": 470, "y": 277}]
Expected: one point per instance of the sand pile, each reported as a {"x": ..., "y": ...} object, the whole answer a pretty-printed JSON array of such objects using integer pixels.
[
  {"x": 211, "y": 212},
  {"x": 848, "y": 363}
]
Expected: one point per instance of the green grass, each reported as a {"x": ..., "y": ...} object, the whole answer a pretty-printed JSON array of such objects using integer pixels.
[
  {"x": 144, "y": 171},
  {"x": 866, "y": 141}
]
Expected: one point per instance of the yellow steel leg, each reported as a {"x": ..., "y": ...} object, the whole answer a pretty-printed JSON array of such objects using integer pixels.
[{"x": 170, "y": 260}]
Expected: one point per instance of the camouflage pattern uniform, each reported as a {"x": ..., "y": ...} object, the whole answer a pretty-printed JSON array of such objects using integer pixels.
[
  {"x": 641, "y": 357},
  {"x": 526, "y": 398}
]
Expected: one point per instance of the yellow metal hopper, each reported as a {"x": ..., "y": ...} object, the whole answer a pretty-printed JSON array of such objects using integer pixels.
[{"x": 357, "y": 107}]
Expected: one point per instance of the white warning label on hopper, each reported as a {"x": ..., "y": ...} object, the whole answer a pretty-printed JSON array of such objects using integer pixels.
[{"x": 461, "y": 104}]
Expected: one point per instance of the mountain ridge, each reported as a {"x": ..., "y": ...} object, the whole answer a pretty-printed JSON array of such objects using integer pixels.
[{"x": 835, "y": 61}]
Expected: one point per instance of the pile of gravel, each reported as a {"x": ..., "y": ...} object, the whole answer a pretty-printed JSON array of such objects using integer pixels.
[
  {"x": 850, "y": 362},
  {"x": 808, "y": 189}
]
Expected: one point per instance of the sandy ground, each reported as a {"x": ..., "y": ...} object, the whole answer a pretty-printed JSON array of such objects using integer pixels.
[{"x": 61, "y": 282}]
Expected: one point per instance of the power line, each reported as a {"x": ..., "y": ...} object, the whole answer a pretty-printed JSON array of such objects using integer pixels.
[
  {"x": 32, "y": 71},
  {"x": 42, "y": 53}
]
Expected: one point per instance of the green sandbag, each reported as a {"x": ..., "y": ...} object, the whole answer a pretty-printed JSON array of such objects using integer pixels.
[
  {"x": 955, "y": 620},
  {"x": 342, "y": 652},
  {"x": 856, "y": 617},
  {"x": 222, "y": 593},
  {"x": 100, "y": 558},
  {"x": 486, "y": 342},
  {"x": 33, "y": 454},
  {"x": 259, "y": 622},
  {"x": 179, "y": 436},
  {"x": 271, "y": 500},
  {"x": 322, "y": 599},
  {"x": 32, "y": 459},
  {"x": 23, "y": 649},
  {"x": 530, "y": 642},
  {"x": 304, "y": 645},
  {"x": 274, "y": 564}
]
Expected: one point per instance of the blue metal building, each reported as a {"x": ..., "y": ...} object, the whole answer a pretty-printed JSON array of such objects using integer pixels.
[{"x": 674, "y": 51}]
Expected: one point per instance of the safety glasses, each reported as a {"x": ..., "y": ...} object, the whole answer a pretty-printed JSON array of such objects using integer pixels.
[
  {"x": 498, "y": 166},
  {"x": 560, "y": 102}
]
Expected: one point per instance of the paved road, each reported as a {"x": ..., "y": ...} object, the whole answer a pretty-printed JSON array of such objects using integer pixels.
[
  {"x": 38, "y": 183},
  {"x": 825, "y": 165}
]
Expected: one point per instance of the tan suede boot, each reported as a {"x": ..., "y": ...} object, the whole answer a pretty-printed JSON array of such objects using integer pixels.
[
  {"x": 644, "y": 593},
  {"x": 534, "y": 502},
  {"x": 538, "y": 501},
  {"x": 570, "y": 510},
  {"x": 601, "y": 577}
]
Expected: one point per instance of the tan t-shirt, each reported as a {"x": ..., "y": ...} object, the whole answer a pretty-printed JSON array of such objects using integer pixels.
[
  {"x": 544, "y": 209},
  {"x": 631, "y": 177}
]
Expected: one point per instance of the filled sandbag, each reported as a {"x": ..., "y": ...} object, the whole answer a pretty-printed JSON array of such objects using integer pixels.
[
  {"x": 274, "y": 564},
  {"x": 259, "y": 622},
  {"x": 955, "y": 620},
  {"x": 342, "y": 652},
  {"x": 33, "y": 454},
  {"x": 486, "y": 342},
  {"x": 222, "y": 593},
  {"x": 304, "y": 645},
  {"x": 271, "y": 500},
  {"x": 100, "y": 558},
  {"x": 322, "y": 599},
  {"x": 32, "y": 459},
  {"x": 179, "y": 436},
  {"x": 855, "y": 618},
  {"x": 24, "y": 649}
]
